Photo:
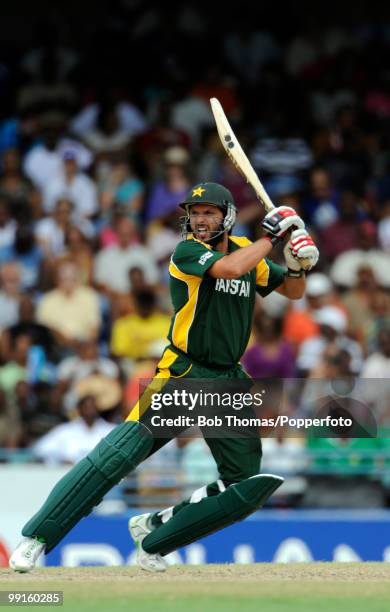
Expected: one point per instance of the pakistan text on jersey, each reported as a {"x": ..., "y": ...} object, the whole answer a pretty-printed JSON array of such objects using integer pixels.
[{"x": 242, "y": 288}]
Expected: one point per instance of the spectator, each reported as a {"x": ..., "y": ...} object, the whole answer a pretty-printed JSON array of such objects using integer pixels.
[
  {"x": 376, "y": 375},
  {"x": 161, "y": 238},
  {"x": 46, "y": 91},
  {"x": 166, "y": 194},
  {"x": 113, "y": 263},
  {"x": 191, "y": 114},
  {"x": 70, "y": 311},
  {"x": 133, "y": 336},
  {"x": 270, "y": 356},
  {"x": 357, "y": 301},
  {"x": 302, "y": 51},
  {"x": 108, "y": 138},
  {"x": 161, "y": 136},
  {"x": 378, "y": 320},
  {"x": 77, "y": 250},
  {"x": 70, "y": 442},
  {"x": 10, "y": 423},
  {"x": 85, "y": 362},
  {"x": 299, "y": 323},
  {"x": 383, "y": 228},
  {"x": 248, "y": 50},
  {"x": 322, "y": 206},
  {"x": 37, "y": 410},
  {"x": 15, "y": 370},
  {"x": 342, "y": 234},
  {"x": 51, "y": 232},
  {"x": 27, "y": 253},
  {"x": 14, "y": 185},
  {"x": 344, "y": 270},
  {"x": 332, "y": 331},
  {"x": 26, "y": 325},
  {"x": 72, "y": 184},
  {"x": 128, "y": 117},
  {"x": 45, "y": 160},
  {"x": 124, "y": 189},
  {"x": 10, "y": 294},
  {"x": 377, "y": 365},
  {"x": 7, "y": 224}
]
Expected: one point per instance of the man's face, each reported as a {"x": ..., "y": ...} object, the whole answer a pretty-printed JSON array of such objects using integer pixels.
[
  {"x": 205, "y": 221},
  {"x": 126, "y": 233}
]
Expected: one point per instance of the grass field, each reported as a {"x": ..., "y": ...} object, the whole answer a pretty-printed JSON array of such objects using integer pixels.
[{"x": 312, "y": 587}]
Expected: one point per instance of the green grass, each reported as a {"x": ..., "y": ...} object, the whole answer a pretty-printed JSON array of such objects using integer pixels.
[{"x": 314, "y": 587}]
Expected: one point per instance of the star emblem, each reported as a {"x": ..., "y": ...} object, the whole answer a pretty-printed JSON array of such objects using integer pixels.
[{"x": 198, "y": 191}]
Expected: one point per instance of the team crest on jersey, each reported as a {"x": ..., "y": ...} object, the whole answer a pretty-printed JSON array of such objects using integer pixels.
[{"x": 238, "y": 287}]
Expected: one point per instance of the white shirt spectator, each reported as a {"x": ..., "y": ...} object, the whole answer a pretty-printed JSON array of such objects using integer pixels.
[
  {"x": 312, "y": 349},
  {"x": 345, "y": 267},
  {"x": 81, "y": 191},
  {"x": 9, "y": 310},
  {"x": 41, "y": 164},
  {"x": 112, "y": 266},
  {"x": 384, "y": 234},
  {"x": 72, "y": 441},
  {"x": 7, "y": 234},
  {"x": 47, "y": 231},
  {"x": 376, "y": 365},
  {"x": 191, "y": 115}
]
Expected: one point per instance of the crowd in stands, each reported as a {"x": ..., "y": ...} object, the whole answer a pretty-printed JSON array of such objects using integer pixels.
[{"x": 95, "y": 157}]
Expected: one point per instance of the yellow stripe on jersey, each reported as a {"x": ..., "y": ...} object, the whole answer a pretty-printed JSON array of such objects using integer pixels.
[
  {"x": 168, "y": 359},
  {"x": 262, "y": 273},
  {"x": 158, "y": 383},
  {"x": 242, "y": 241},
  {"x": 185, "y": 316},
  {"x": 262, "y": 268}
]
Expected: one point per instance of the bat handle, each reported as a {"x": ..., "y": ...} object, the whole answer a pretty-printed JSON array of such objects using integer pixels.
[{"x": 305, "y": 262}]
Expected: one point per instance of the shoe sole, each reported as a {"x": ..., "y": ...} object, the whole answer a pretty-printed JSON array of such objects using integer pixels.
[
  {"x": 138, "y": 532},
  {"x": 20, "y": 570}
]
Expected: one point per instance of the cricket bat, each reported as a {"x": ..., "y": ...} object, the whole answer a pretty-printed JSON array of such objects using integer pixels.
[{"x": 241, "y": 161}]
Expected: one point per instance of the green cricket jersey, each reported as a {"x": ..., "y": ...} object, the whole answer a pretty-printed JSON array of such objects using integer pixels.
[{"x": 213, "y": 316}]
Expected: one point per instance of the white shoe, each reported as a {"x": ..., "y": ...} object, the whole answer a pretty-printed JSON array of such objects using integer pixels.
[
  {"x": 139, "y": 529},
  {"x": 25, "y": 556}
]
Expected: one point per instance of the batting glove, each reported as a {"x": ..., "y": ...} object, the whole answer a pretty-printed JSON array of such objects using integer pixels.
[
  {"x": 300, "y": 246},
  {"x": 277, "y": 222}
]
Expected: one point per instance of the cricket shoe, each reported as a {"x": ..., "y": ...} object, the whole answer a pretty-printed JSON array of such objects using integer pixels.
[
  {"x": 139, "y": 528},
  {"x": 26, "y": 554}
]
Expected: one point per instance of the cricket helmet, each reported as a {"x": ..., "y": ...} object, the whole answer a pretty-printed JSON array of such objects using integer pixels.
[{"x": 214, "y": 195}]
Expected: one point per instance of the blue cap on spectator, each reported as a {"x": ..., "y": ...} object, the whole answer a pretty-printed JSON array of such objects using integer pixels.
[{"x": 69, "y": 155}]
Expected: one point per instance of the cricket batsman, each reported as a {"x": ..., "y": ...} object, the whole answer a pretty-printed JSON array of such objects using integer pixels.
[{"x": 214, "y": 277}]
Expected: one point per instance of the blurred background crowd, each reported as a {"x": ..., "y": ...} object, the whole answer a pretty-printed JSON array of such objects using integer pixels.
[{"x": 104, "y": 125}]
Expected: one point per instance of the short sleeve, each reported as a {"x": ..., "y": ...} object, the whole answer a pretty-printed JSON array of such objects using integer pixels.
[
  {"x": 194, "y": 258},
  {"x": 269, "y": 276}
]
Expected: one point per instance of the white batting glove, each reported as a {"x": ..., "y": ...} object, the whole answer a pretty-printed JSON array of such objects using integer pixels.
[
  {"x": 300, "y": 246},
  {"x": 280, "y": 219}
]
